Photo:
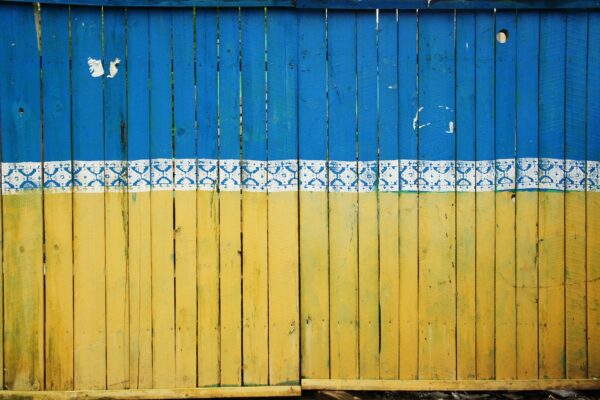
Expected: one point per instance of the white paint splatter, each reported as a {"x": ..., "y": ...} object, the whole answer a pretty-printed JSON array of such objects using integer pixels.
[
  {"x": 96, "y": 68},
  {"x": 416, "y": 118},
  {"x": 424, "y": 125},
  {"x": 113, "y": 70},
  {"x": 450, "y": 127},
  {"x": 444, "y": 107}
]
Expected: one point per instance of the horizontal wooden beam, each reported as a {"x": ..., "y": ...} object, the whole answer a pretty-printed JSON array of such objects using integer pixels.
[
  {"x": 448, "y": 385},
  {"x": 194, "y": 393}
]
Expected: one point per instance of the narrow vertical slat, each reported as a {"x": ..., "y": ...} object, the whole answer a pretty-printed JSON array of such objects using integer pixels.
[
  {"x": 465, "y": 196},
  {"x": 229, "y": 198},
  {"x": 138, "y": 154},
  {"x": 575, "y": 211},
  {"x": 254, "y": 199},
  {"x": 551, "y": 202},
  {"x": 161, "y": 201},
  {"x": 409, "y": 200},
  {"x": 57, "y": 198},
  {"x": 484, "y": 197},
  {"x": 505, "y": 126},
  {"x": 22, "y": 213},
  {"x": 284, "y": 324},
  {"x": 314, "y": 249},
  {"x": 368, "y": 227},
  {"x": 185, "y": 196},
  {"x": 343, "y": 205},
  {"x": 527, "y": 194},
  {"x": 436, "y": 207},
  {"x": 88, "y": 200},
  {"x": 208, "y": 199}
]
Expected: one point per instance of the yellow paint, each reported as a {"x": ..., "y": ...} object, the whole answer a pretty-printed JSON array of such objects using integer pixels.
[
  {"x": 230, "y": 248},
  {"x": 368, "y": 261},
  {"x": 485, "y": 250},
  {"x": 163, "y": 289},
  {"x": 409, "y": 285},
  {"x": 23, "y": 291},
  {"x": 314, "y": 281},
  {"x": 89, "y": 296},
  {"x": 255, "y": 289},
  {"x": 575, "y": 317},
  {"x": 140, "y": 292},
  {"x": 465, "y": 286},
  {"x": 117, "y": 300},
  {"x": 551, "y": 285},
  {"x": 506, "y": 343},
  {"x": 58, "y": 232},
  {"x": 284, "y": 324},
  {"x": 527, "y": 270},
  {"x": 185, "y": 289},
  {"x": 593, "y": 283},
  {"x": 207, "y": 257},
  {"x": 389, "y": 284},
  {"x": 437, "y": 346},
  {"x": 343, "y": 272}
]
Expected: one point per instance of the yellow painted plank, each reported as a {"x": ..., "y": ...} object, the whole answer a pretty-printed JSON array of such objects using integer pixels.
[
  {"x": 255, "y": 289},
  {"x": 185, "y": 289},
  {"x": 506, "y": 343},
  {"x": 551, "y": 285},
  {"x": 343, "y": 267},
  {"x": 59, "y": 290},
  {"x": 437, "y": 346},
  {"x": 465, "y": 286},
  {"x": 409, "y": 285},
  {"x": 163, "y": 289},
  {"x": 208, "y": 288},
  {"x": 230, "y": 248},
  {"x": 140, "y": 292},
  {"x": 314, "y": 281},
  {"x": 23, "y": 291},
  {"x": 117, "y": 300},
  {"x": 284, "y": 326},
  {"x": 368, "y": 261},
  {"x": 2, "y": 301},
  {"x": 89, "y": 296},
  {"x": 575, "y": 287},
  {"x": 593, "y": 283},
  {"x": 389, "y": 284},
  {"x": 527, "y": 270},
  {"x": 485, "y": 250}
]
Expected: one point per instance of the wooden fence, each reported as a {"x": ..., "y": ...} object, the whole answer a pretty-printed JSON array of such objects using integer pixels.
[{"x": 244, "y": 201}]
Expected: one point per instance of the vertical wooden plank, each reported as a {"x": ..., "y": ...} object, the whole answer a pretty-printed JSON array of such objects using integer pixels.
[
  {"x": 484, "y": 196},
  {"x": 409, "y": 200},
  {"x": 22, "y": 201},
  {"x": 551, "y": 201},
  {"x": 138, "y": 154},
  {"x": 343, "y": 205},
  {"x": 505, "y": 126},
  {"x": 593, "y": 197},
  {"x": 208, "y": 199},
  {"x": 254, "y": 200},
  {"x": 575, "y": 117},
  {"x": 368, "y": 226},
  {"x": 88, "y": 200},
  {"x": 284, "y": 326},
  {"x": 465, "y": 196},
  {"x": 161, "y": 201},
  {"x": 527, "y": 194},
  {"x": 185, "y": 196},
  {"x": 57, "y": 198},
  {"x": 229, "y": 198},
  {"x": 388, "y": 197},
  {"x": 313, "y": 219},
  {"x": 437, "y": 346}
]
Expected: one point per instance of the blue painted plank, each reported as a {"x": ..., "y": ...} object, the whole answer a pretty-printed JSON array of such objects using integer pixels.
[
  {"x": 312, "y": 86},
  {"x": 465, "y": 87},
  {"x": 484, "y": 84},
  {"x": 407, "y": 81},
  {"x": 206, "y": 77},
  {"x": 593, "y": 89},
  {"x": 388, "y": 85},
  {"x": 366, "y": 25}
]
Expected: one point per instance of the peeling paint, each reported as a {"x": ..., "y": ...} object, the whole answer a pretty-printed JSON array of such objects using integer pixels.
[
  {"x": 96, "y": 68},
  {"x": 416, "y": 118},
  {"x": 113, "y": 70},
  {"x": 424, "y": 125},
  {"x": 450, "y": 127},
  {"x": 445, "y": 107}
]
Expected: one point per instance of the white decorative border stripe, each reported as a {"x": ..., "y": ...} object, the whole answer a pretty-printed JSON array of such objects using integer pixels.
[{"x": 305, "y": 175}]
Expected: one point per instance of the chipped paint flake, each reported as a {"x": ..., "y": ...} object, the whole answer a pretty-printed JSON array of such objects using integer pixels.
[
  {"x": 96, "y": 68},
  {"x": 113, "y": 70},
  {"x": 416, "y": 118},
  {"x": 450, "y": 127},
  {"x": 424, "y": 125}
]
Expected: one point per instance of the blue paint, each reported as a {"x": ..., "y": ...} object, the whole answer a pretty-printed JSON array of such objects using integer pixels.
[
  {"x": 465, "y": 86},
  {"x": 388, "y": 85},
  {"x": 407, "y": 81},
  {"x": 593, "y": 89},
  {"x": 484, "y": 85},
  {"x": 366, "y": 28}
]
